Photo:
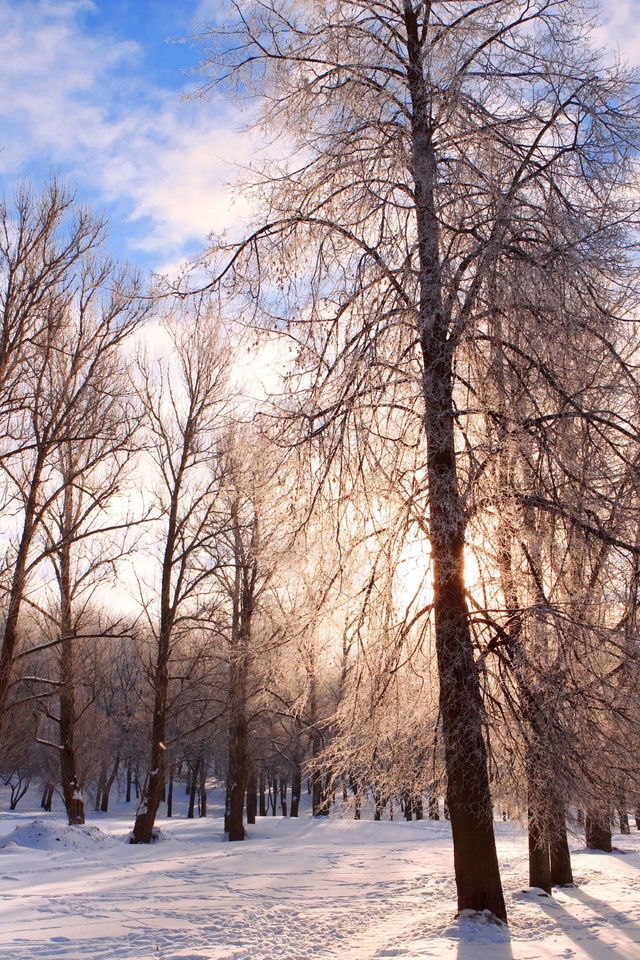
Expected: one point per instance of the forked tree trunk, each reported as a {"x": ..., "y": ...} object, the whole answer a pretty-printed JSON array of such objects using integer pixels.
[
  {"x": 47, "y": 796},
  {"x": 152, "y": 792},
  {"x": 195, "y": 777},
  {"x": 408, "y": 806},
  {"x": 154, "y": 785},
  {"x": 357, "y": 798},
  {"x": 18, "y": 583},
  {"x": 107, "y": 786},
  {"x": 18, "y": 791}
]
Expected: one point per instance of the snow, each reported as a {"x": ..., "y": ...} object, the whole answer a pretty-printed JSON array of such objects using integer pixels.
[{"x": 294, "y": 890}]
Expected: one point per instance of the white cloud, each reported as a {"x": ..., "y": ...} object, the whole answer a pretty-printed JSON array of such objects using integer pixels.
[
  {"x": 173, "y": 171},
  {"x": 620, "y": 28},
  {"x": 81, "y": 103}
]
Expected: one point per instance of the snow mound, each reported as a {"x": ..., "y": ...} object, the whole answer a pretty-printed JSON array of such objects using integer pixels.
[
  {"x": 478, "y": 926},
  {"x": 42, "y": 835},
  {"x": 157, "y": 836}
]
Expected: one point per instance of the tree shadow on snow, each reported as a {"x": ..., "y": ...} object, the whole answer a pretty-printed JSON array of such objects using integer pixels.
[{"x": 585, "y": 934}]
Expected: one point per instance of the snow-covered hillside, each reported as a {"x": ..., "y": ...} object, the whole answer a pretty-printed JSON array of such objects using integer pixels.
[{"x": 295, "y": 890}]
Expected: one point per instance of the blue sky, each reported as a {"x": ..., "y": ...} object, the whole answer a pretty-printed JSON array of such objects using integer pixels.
[{"x": 91, "y": 89}]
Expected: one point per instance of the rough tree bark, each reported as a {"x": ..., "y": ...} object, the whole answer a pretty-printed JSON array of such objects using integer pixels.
[{"x": 468, "y": 795}]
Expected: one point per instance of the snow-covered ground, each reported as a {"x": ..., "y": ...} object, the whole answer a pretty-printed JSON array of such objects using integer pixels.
[{"x": 295, "y": 890}]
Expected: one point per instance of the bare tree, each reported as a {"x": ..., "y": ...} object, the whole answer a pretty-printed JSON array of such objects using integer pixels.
[
  {"x": 85, "y": 525},
  {"x": 184, "y": 398},
  {"x": 66, "y": 309},
  {"x": 248, "y": 553}
]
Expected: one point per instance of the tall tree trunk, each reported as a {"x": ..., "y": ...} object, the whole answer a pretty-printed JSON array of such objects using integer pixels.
[
  {"x": 319, "y": 805},
  {"x": 238, "y": 761},
  {"x": 252, "y": 795},
  {"x": 243, "y": 598},
  {"x": 296, "y": 787},
  {"x": 106, "y": 789},
  {"x": 18, "y": 583},
  {"x": 170, "y": 792},
  {"x": 538, "y": 816},
  {"x": 102, "y": 779},
  {"x": 262, "y": 800},
  {"x": 539, "y": 853},
  {"x": 154, "y": 785},
  {"x": 598, "y": 830},
  {"x": 468, "y": 795},
  {"x": 561, "y": 872},
  {"x": 47, "y": 796},
  {"x": 357, "y": 797},
  {"x": 195, "y": 776},
  {"x": 73, "y": 799},
  {"x": 203, "y": 789}
]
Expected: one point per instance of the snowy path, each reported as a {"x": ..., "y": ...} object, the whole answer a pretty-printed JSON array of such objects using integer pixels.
[{"x": 296, "y": 890}]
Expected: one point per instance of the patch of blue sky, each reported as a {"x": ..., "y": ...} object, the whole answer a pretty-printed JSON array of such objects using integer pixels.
[
  {"x": 91, "y": 89},
  {"x": 161, "y": 28}
]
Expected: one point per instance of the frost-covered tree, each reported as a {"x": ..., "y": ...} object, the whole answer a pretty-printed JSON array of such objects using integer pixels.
[
  {"x": 65, "y": 310},
  {"x": 184, "y": 397},
  {"x": 430, "y": 146}
]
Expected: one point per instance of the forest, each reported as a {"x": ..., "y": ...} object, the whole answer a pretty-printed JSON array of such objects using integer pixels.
[{"x": 352, "y": 507}]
